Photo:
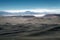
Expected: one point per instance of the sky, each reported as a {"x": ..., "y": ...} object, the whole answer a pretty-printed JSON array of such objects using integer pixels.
[{"x": 34, "y": 5}]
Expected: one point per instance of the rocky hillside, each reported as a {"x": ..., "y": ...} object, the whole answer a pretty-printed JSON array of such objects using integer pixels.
[{"x": 33, "y": 20}]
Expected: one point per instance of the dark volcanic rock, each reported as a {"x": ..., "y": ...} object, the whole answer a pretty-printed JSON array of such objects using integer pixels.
[{"x": 26, "y": 29}]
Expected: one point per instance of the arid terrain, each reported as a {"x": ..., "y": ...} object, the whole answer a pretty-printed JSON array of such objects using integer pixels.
[
  {"x": 29, "y": 28},
  {"x": 33, "y": 20}
]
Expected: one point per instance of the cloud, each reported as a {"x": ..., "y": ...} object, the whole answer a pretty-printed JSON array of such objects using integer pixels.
[
  {"x": 14, "y": 11},
  {"x": 35, "y": 10},
  {"x": 39, "y": 15}
]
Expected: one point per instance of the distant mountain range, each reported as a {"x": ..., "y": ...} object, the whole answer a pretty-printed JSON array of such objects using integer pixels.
[
  {"x": 28, "y": 13},
  {"x": 52, "y": 15},
  {"x": 2, "y": 13}
]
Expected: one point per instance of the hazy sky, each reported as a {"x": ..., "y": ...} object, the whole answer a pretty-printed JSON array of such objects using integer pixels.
[{"x": 29, "y": 4}]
